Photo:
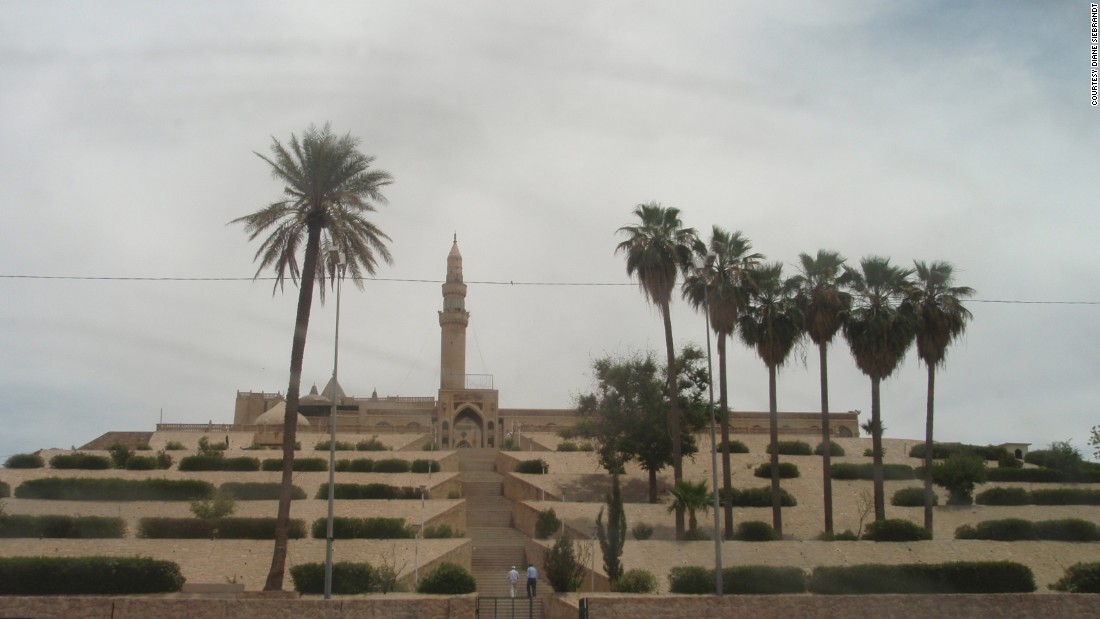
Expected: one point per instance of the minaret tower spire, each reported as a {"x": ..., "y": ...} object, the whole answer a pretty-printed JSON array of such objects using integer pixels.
[{"x": 452, "y": 323}]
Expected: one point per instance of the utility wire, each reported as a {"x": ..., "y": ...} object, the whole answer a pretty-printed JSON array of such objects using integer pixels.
[{"x": 436, "y": 281}]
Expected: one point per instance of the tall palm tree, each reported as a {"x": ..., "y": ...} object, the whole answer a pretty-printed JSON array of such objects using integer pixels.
[
  {"x": 329, "y": 189},
  {"x": 773, "y": 324},
  {"x": 725, "y": 287},
  {"x": 690, "y": 496},
  {"x": 879, "y": 329},
  {"x": 657, "y": 248},
  {"x": 940, "y": 318},
  {"x": 825, "y": 304}
]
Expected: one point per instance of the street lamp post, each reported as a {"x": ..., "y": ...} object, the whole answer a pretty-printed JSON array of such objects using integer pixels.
[
  {"x": 341, "y": 267},
  {"x": 707, "y": 264}
]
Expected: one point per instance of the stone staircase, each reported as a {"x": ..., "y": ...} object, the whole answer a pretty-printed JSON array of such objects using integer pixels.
[{"x": 496, "y": 545}]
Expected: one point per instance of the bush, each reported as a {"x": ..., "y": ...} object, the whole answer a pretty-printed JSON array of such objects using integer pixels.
[
  {"x": 347, "y": 578},
  {"x": 848, "y": 470},
  {"x": 392, "y": 465},
  {"x": 141, "y": 463},
  {"x": 300, "y": 465},
  {"x": 1004, "y": 496},
  {"x": 561, "y": 566},
  {"x": 926, "y": 578},
  {"x": 113, "y": 489},
  {"x": 1005, "y": 530},
  {"x": 371, "y": 444},
  {"x": 174, "y": 446},
  {"x": 424, "y": 466},
  {"x": 358, "y": 465},
  {"x": 755, "y": 531},
  {"x": 531, "y": 467},
  {"x": 5, "y": 490},
  {"x": 57, "y": 526},
  {"x": 357, "y": 492},
  {"x": 757, "y": 497},
  {"x": 119, "y": 455},
  {"x": 440, "y": 531},
  {"x": 1034, "y": 476},
  {"x": 87, "y": 576},
  {"x": 363, "y": 528},
  {"x": 80, "y": 460},
  {"x": 959, "y": 473},
  {"x": 448, "y": 579},
  {"x": 791, "y": 448},
  {"x": 834, "y": 449},
  {"x": 912, "y": 497},
  {"x": 844, "y": 536},
  {"x": 24, "y": 461},
  {"x": 1080, "y": 578},
  {"x": 259, "y": 491},
  {"x": 869, "y": 453},
  {"x": 635, "y": 581},
  {"x": 787, "y": 470},
  {"x": 691, "y": 579},
  {"x": 1067, "y": 530},
  {"x": 733, "y": 447},
  {"x": 219, "y": 463},
  {"x": 215, "y": 528},
  {"x": 1065, "y": 496},
  {"x": 567, "y": 446},
  {"x": 896, "y": 530},
  {"x": 220, "y": 505},
  {"x": 547, "y": 524},
  {"x": 641, "y": 531},
  {"x": 762, "y": 580},
  {"x": 340, "y": 446}
]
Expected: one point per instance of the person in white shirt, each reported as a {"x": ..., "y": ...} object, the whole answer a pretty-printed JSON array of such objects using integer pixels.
[{"x": 513, "y": 580}]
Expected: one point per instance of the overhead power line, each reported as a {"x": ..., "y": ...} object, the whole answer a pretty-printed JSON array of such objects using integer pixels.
[{"x": 435, "y": 281}]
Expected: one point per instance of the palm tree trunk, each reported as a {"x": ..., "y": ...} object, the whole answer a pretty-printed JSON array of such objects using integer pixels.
[
  {"x": 876, "y": 446},
  {"x": 773, "y": 430},
  {"x": 826, "y": 437},
  {"x": 290, "y": 420},
  {"x": 928, "y": 448},
  {"x": 724, "y": 412},
  {"x": 673, "y": 414}
]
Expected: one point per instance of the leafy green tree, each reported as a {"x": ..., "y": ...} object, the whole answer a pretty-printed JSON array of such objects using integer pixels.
[
  {"x": 564, "y": 565},
  {"x": 657, "y": 248},
  {"x": 959, "y": 473},
  {"x": 329, "y": 191},
  {"x": 825, "y": 304},
  {"x": 940, "y": 318},
  {"x": 691, "y": 496},
  {"x": 879, "y": 330},
  {"x": 773, "y": 324},
  {"x": 724, "y": 285},
  {"x": 613, "y": 536}
]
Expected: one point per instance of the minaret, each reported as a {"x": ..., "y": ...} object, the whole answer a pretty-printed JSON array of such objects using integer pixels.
[{"x": 452, "y": 322}]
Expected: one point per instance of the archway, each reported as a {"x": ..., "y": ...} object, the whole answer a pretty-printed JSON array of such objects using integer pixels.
[{"x": 469, "y": 427}]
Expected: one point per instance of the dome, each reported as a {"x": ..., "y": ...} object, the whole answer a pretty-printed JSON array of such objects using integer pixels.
[
  {"x": 315, "y": 398},
  {"x": 274, "y": 417}
]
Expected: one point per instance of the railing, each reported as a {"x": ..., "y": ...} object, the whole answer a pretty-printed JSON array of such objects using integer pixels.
[
  {"x": 198, "y": 427},
  {"x": 479, "y": 381},
  {"x": 507, "y": 607}
]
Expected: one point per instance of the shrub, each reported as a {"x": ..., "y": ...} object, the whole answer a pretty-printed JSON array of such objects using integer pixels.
[
  {"x": 340, "y": 446},
  {"x": 447, "y": 579},
  {"x": 757, "y": 497},
  {"x": 834, "y": 449},
  {"x": 642, "y": 531},
  {"x": 24, "y": 461},
  {"x": 869, "y": 453},
  {"x": 787, "y": 470},
  {"x": 587, "y": 447},
  {"x": 927, "y": 578},
  {"x": 848, "y": 470},
  {"x": 80, "y": 460},
  {"x": 5, "y": 490},
  {"x": 635, "y": 581},
  {"x": 561, "y": 566},
  {"x": 363, "y": 528},
  {"x": 1067, "y": 530},
  {"x": 259, "y": 491},
  {"x": 424, "y": 466},
  {"x": 567, "y": 446},
  {"x": 912, "y": 497},
  {"x": 374, "y": 491},
  {"x": 300, "y": 465},
  {"x": 791, "y": 448},
  {"x": 141, "y": 463},
  {"x": 219, "y": 505},
  {"x": 1003, "y": 496},
  {"x": 755, "y": 531},
  {"x": 371, "y": 444},
  {"x": 1080, "y": 578},
  {"x": 358, "y": 465},
  {"x": 392, "y": 465},
  {"x": 1035, "y": 476},
  {"x": 113, "y": 489},
  {"x": 1065, "y": 496},
  {"x": 959, "y": 473},
  {"x": 87, "y": 576},
  {"x": 531, "y": 467},
  {"x": 219, "y": 463},
  {"x": 347, "y": 578},
  {"x": 1005, "y": 530},
  {"x": 696, "y": 535},
  {"x": 896, "y": 530},
  {"x": 844, "y": 536},
  {"x": 691, "y": 579},
  {"x": 440, "y": 531},
  {"x": 119, "y": 455},
  {"x": 763, "y": 580},
  {"x": 58, "y": 526},
  {"x": 733, "y": 447},
  {"x": 1060, "y": 456},
  {"x": 143, "y": 447},
  {"x": 547, "y": 524},
  {"x": 206, "y": 448},
  {"x": 174, "y": 446},
  {"x": 215, "y": 528}
]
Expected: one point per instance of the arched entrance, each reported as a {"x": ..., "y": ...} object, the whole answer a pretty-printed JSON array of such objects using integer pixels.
[{"x": 468, "y": 429}]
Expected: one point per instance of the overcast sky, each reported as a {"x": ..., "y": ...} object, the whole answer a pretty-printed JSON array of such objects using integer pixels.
[{"x": 958, "y": 131}]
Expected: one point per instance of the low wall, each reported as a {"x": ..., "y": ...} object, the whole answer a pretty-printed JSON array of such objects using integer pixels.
[
  {"x": 1040, "y": 606},
  {"x": 462, "y": 555}
]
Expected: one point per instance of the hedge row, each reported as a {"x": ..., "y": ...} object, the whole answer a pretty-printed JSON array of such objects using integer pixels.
[
  {"x": 896, "y": 530},
  {"x": 733, "y": 447},
  {"x": 787, "y": 470},
  {"x": 218, "y": 463},
  {"x": 923, "y": 578},
  {"x": 1044, "y": 476},
  {"x": 740, "y": 580},
  {"x": 448, "y": 579},
  {"x": 347, "y": 578},
  {"x": 80, "y": 460},
  {"x": 386, "y": 465},
  {"x": 24, "y": 461},
  {"x": 848, "y": 470},
  {"x": 942, "y": 451},
  {"x": 1047, "y": 496},
  {"x": 87, "y": 576},
  {"x": 363, "y": 528},
  {"x": 912, "y": 497},
  {"x": 114, "y": 489},
  {"x": 300, "y": 465},
  {"x": 1018, "y": 529},
  {"x": 259, "y": 491},
  {"x": 791, "y": 448},
  {"x": 532, "y": 467},
  {"x": 367, "y": 491},
  {"x": 57, "y": 526},
  {"x": 215, "y": 528},
  {"x": 758, "y": 497},
  {"x": 834, "y": 449},
  {"x": 1080, "y": 578}
]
